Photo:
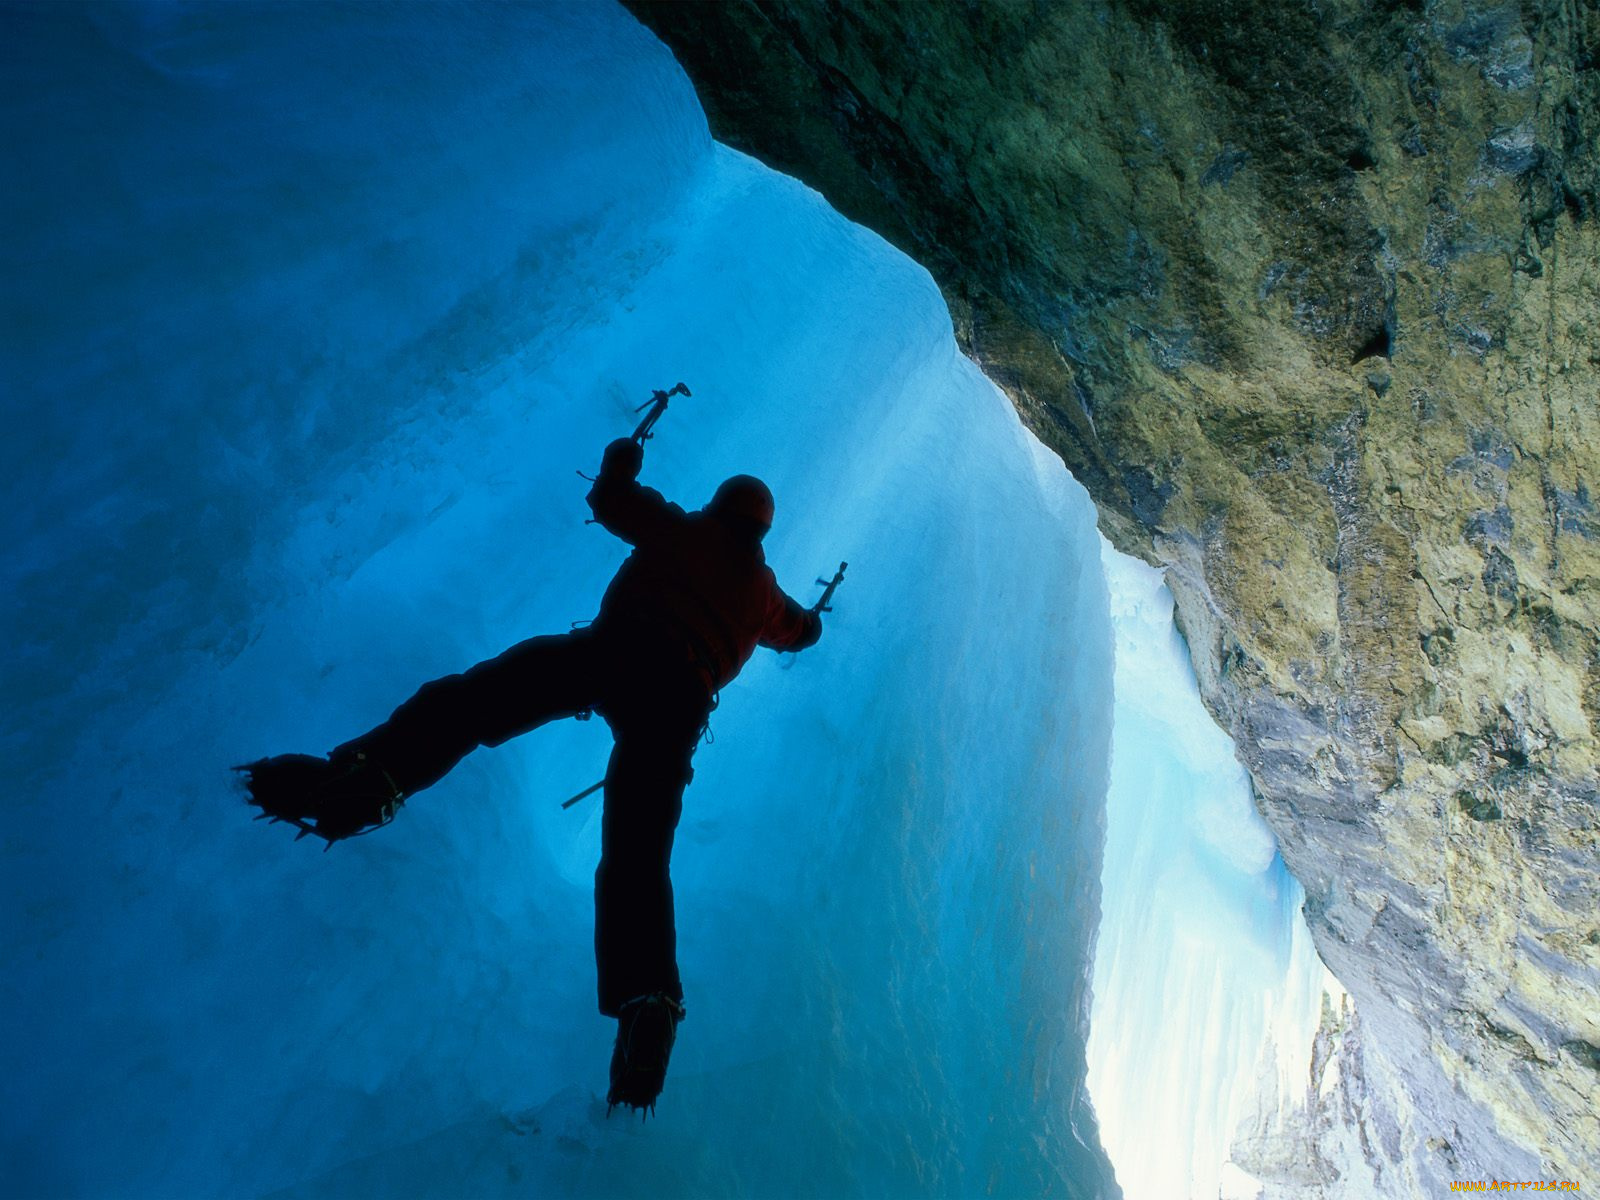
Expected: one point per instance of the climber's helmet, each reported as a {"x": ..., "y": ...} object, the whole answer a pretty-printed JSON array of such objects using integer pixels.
[{"x": 744, "y": 504}]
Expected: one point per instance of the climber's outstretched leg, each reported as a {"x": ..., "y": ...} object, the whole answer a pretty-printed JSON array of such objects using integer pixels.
[
  {"x": 363, "y": 782},
  {"x": 535, "y": 681}
]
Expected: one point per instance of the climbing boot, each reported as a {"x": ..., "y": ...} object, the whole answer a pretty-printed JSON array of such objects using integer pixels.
[
  {"x": 646, "y": 1029},
  {"x": 333, "y": 799}
]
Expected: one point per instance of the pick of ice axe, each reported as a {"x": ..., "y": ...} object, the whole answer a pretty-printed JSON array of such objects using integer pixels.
[{"x": 829, "y": 586}]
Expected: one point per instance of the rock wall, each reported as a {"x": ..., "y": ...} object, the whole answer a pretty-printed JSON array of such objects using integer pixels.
[{"x": 1308, "y": 296}]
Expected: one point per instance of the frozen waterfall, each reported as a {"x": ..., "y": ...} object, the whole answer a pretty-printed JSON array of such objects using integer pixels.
[
  {"x": 1207, "y": 991},
  {"x": 312, "y": 313}
]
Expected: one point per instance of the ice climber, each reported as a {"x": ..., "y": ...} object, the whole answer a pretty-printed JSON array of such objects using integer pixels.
[{"x": 680, "y": 618}]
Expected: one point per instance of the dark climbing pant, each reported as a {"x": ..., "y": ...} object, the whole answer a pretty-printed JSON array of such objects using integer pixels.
[{"x": 656, "y": 705}]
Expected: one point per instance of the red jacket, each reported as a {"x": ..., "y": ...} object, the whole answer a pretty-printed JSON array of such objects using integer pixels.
[{"x": 691, "y": 577}]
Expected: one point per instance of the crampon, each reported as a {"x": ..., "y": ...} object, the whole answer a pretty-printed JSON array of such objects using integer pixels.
[
  {"x": 332, "y": 800},
  {"x": 646, "y": 1029}
]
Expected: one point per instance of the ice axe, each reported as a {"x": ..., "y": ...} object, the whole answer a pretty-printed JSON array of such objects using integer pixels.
[
  {"x": 829, "y": 586},
  {"x": 657, "y": 404}
]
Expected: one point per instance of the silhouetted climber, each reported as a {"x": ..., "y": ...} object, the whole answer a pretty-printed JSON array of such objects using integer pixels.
[{"x": 678, "y": 621}]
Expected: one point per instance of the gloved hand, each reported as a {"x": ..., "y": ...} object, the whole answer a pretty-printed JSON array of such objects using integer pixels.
[{"x": 622, "y": 459}]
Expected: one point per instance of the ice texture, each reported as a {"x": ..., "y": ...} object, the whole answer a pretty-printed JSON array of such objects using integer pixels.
[
  {"x": 1207, "y": 989},
  {"x": 312, "y": 312}
]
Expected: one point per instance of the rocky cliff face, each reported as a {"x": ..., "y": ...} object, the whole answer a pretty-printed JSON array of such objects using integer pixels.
[{"x": 1308, "y": 296}]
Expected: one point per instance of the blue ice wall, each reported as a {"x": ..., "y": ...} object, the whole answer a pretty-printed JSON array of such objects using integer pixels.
[{"x": 311, "y": 312}]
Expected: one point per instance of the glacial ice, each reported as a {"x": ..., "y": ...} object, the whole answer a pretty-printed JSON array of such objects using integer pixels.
[
  {"x": 312, "y": 313},
  {"x": 1207, "y": 990}
]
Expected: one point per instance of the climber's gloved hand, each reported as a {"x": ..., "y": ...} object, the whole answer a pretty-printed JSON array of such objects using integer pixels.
[
  {"x": 813, "y": 631},
  {"x": 622, "y": 460}
]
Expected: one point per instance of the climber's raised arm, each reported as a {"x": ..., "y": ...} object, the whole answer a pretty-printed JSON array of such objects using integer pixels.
[{"x": 633, "y": 512}]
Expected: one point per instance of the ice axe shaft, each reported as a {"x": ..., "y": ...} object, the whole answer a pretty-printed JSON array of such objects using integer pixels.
[
  {"x": 829, "y": 586},
  {"x": 588, "y": 791},
  {"x": 657, "y": 404}
]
